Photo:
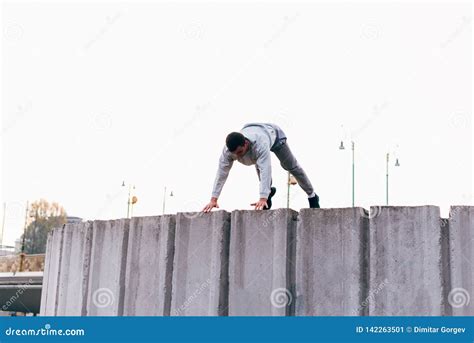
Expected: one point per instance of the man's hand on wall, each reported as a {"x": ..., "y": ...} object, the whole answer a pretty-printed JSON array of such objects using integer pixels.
[
  {"x": 211, "y": 205},
  {"x": 261, "y": 204}
]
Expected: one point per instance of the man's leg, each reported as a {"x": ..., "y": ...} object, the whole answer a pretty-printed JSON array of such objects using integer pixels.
[{"x": 289, "y": 163}]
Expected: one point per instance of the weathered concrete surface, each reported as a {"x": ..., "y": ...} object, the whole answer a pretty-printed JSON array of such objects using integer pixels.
[
  {"x": 52, "y": 271},
  {"x": 107, "y": 268},
  {"x": 419, "y": 262},
  {"x": 149, "y": 266},
  {"x": 74, "y": 276},
  {"x": 461, "y": 247},
  {"x": 445, "y": 265},
  {"x": 262, "y": 259},
  {"x": 332, "y": 263},
  {"x": 200, "y": 268},
  {"x": 405, "y": 262}
]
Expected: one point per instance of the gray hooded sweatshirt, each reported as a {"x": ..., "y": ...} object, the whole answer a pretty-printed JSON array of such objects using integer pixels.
[{"x": 263, "y": 139}]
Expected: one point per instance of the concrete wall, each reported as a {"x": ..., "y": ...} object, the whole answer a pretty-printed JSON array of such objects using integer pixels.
[
  {"x": 200, "y": 269},
  {"x": 262, "y": 258},
  {"x": 149, "y": 266},
  {"x": 52, "y": 272},
  {"x": 74, "y": 270},
  {"x": 106, "y": 285},
  {"x": 405, "y": 262},
  {"x": 332, "y": 262},
  {"x": 461, "y": 247},
  {"x": 348, "y": 261}
]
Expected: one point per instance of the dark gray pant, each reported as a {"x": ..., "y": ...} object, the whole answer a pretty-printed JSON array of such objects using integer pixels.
[{"x": 289, "y": 163}]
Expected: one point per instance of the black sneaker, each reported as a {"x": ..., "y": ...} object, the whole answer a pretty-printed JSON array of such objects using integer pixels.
[
  {"x": 269, "y": 200},
  {"x": 314, "y": 202}
]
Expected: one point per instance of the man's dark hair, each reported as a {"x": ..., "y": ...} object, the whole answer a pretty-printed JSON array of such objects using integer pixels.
[{"x": 234, "y": 140}]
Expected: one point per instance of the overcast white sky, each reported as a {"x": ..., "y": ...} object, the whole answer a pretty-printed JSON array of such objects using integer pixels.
[{"x": 94, "y": 94}]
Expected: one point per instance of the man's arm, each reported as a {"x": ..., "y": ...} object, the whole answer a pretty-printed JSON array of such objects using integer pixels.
[
  {"x": 225, "y": 164},
  {"x": 264, "y": 164}
]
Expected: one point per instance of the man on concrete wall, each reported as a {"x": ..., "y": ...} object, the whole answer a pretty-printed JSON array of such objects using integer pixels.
[{"x": 252, "y": 146}]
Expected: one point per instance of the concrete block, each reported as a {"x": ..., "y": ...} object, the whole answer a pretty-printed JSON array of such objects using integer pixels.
[
  {"x": 74, "y": 276},
  {"x": 107, "y": 268},
  {"x": 445, "y": 265},
  {"x": 262, "y": 258},
  {"x": 52, "y": 269},
  {"x": 200, "y": 268},
  {"x": 46, "y": 274},
  {"x": 332, "y": 263},
  {"x": 461, "y": 247},
  {"x": 406, "y": 262},
  {"x": 149, "y": 266}
]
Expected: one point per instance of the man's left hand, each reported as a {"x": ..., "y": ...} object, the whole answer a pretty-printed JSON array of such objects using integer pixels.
[{"x": 261, "y": 204}]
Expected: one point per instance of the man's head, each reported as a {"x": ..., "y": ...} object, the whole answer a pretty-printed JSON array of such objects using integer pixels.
[{"x": 237, "y": 144}]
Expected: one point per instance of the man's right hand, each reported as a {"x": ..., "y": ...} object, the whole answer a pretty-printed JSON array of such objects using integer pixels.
[{"x": 211, "y": 205}]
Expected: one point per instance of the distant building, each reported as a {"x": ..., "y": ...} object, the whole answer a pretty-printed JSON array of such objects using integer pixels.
[
  {"x": 6, "y": 250},
  {"x": 72, "y": 220},
  {"x": 18, "y": 246}
]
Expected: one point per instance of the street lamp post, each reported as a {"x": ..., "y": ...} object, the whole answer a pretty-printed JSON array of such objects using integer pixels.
[
  {"x": 164, "y": 199},
  {"x": 341, "y": 147},
  {"x": 397, "y": 164},
  {"x": 131, "y": 200},
  {"x": 22, "y": 254},
  {"x": 353, "y": 174},
  {"x": 291, "y": 181}
]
